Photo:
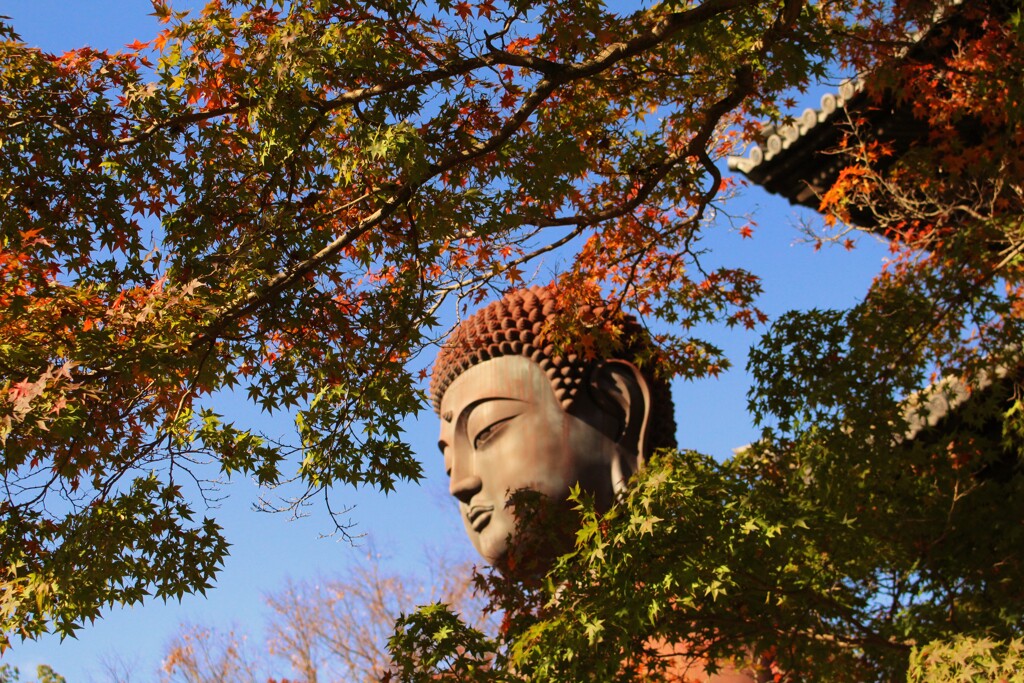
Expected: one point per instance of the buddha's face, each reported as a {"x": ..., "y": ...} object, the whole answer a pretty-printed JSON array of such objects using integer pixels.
[{"x": 506, "y": 432}]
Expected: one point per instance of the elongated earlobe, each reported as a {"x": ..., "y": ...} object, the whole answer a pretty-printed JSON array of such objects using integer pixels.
[{"x": 618, "y": 388}]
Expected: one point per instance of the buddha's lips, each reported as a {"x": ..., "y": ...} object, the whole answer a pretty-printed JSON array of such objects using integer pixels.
[{"x": 479, "y": 516}]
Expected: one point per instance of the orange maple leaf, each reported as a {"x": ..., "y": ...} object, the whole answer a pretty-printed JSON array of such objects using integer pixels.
[
  {"x": 161, "y": 39},
  {"x": 485, "y": 8}
]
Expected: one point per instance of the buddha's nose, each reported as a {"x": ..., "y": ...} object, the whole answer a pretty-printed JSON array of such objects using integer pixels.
[{"x": 464, "y": 486}]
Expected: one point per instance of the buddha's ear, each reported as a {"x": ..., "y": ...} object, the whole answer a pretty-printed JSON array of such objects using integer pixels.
[{"x": 619, "y": 388}]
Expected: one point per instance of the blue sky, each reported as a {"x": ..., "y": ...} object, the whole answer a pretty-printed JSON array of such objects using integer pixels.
[{"x": 269, "y": 549}]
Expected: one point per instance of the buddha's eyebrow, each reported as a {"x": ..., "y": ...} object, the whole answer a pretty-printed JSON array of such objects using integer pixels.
[{"x": 464, "y": 414}]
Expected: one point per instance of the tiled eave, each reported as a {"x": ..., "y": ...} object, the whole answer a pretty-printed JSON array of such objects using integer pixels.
[
  {"x": 793, "y": 160},
  {"x": 798, "y": 160}
]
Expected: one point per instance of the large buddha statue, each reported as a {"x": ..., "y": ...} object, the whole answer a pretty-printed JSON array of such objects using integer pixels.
[{"x": 518, "y": 415}]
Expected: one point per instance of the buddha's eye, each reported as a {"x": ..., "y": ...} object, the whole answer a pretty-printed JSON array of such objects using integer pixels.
[{"x": 488, "y": 432}]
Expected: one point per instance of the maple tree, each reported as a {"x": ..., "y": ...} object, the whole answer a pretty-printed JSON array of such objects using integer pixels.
[
  {"x": 280, "y": 198},
  {"x": 277, "y": 197}
]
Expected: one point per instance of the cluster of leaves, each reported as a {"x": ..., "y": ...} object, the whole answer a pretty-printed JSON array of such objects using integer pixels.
[
  {"x": 932, "y": 481},
  {"x": 779, "y": 569},
  {"x": 276, "y": 198},
  {"x": 969, "y": 659},
  {"x": 946, "y": 187},
  {"x": 44, "y": 674}
]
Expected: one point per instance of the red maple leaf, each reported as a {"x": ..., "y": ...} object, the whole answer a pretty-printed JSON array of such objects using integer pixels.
[
  {"x": 21, "y": 389},
  {"x": 485, "y": 8}
]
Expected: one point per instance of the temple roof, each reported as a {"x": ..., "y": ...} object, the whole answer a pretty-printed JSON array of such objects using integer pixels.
[
  {"x": 793, "y": 160},
  {"x": 797, "y": 160}
]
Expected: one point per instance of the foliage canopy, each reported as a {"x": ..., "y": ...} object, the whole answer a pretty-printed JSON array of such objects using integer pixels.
[{"x": 277, "y": 199}]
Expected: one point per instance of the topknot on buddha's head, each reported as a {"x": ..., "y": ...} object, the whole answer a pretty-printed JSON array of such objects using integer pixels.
[{"x": 518, "y": 324}]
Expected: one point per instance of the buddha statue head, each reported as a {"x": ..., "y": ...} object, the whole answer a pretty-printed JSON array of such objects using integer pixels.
[{"x": 519, "y": 415}]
